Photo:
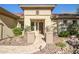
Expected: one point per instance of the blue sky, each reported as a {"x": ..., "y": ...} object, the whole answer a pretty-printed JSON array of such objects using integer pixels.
[
  {"x": 63, "y": 8},
  {"x": 60, "y": 8}
]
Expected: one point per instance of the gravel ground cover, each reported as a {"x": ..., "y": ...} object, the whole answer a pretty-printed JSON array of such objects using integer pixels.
[
  {"x": 51, "y": 49},
  {"x": 16, "y": 41}
]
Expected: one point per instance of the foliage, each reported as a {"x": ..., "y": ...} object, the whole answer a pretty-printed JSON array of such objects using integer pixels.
[
  {"x": 63, "y": 34},
  {"x": 73, "y": 29},
  {"x": 17, "y": 31},
  {"x": 61, "y": 44}
]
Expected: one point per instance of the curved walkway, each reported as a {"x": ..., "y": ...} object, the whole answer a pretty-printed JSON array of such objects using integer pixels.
[{"x": 36, "y": 46}]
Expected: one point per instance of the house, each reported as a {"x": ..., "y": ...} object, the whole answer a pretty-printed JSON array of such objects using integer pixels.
[
  {"x": 39, "y": 17},
  {"x": 64, "y": 20},
  {"x": 8, "y": 21}
]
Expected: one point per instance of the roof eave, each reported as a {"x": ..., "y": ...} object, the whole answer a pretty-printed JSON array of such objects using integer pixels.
[{"x": 32, "y": 6}]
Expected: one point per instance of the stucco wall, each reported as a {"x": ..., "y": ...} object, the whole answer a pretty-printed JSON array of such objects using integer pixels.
[{"x": 8, "y": 23}]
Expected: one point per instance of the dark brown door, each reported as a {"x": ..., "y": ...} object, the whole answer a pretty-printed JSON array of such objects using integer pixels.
[{"x": 41, "y": 27}]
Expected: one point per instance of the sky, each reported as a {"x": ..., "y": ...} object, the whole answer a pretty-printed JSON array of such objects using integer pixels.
[{"x": 60, "y": 8}]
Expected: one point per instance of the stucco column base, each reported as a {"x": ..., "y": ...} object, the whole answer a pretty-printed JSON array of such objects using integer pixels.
[
  {"x": 30, "y": 37},
  {"x": 49, "y": 37}
]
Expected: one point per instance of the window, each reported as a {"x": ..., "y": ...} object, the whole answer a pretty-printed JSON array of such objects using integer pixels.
[
  {"x": 37, "y": 12},
  {"x": 74, "y": 21},
  {"x": 64, "y": 21}
]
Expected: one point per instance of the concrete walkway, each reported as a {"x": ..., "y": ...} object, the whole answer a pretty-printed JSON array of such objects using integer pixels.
[{"x": 36, "y": 46}]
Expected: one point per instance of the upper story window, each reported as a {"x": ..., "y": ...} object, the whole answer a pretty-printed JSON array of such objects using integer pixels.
[{"x": 37, "y": 12}]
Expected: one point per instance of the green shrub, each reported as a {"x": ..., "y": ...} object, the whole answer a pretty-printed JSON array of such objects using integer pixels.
[
  {"x": 63, "y": 34},
  {"x": 61, "y": 45},
  {"x": 17, "y": 31},
  {"x": 73, "y": 29}
]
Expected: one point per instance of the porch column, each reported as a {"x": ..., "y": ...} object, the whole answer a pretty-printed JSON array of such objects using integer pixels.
[{"x": 34, "y": 26}]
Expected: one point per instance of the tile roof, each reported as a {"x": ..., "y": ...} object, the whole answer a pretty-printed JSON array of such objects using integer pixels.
[
  {"x": 65, "y": 16},
  {"x": 7, "y": 13}
]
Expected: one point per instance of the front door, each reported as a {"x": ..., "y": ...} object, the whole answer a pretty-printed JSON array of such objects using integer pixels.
[
  {"x": 41, "y": 27},
  {"x": 37, "y": 25}
]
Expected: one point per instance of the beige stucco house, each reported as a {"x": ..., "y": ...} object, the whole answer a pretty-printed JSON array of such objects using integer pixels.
[
  {"x": 39, "y": 18},
  {"x": 7, "y": 22}
]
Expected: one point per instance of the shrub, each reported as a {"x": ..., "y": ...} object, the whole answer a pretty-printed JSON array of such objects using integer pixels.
[
  {"x": 73, "y": 29},
  {"x": 61, "y": 45},
  {"x": 63, "y": 34},
  {"x": 17, "y": 31}
]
